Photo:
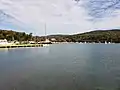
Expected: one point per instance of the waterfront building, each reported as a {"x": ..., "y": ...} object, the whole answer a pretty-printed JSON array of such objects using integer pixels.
[{"x": 4, "y": 42}]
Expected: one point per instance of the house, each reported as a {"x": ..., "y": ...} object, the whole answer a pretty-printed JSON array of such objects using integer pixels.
[{"x": 3, "y": 42}]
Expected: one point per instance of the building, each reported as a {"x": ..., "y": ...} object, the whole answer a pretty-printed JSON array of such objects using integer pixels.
[{"x": 3, "y": 42}]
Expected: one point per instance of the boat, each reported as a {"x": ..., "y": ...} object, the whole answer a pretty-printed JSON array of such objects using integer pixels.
[
  {"x": 85, "y": 42},
  {"x": 45, "y": 45},
  {"x": 105, "y": 42},
  {"x": 47, "y": 41},
  {"x": 109, "y": 42}
]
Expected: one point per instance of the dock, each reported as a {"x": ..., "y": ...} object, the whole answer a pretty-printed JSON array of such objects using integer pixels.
[{"x": 21, "y": 45}]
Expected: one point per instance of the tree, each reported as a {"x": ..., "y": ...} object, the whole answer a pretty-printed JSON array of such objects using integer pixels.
[
  {"x": 30, "y": 36},
  {"x": 102, "y": 8}
]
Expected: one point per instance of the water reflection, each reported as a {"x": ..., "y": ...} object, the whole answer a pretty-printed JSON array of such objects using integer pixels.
[
  {"x": 4, "y": 50},
  {"x": 61, "y": 67}
]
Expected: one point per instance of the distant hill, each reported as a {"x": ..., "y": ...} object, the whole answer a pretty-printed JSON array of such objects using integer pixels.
[
  {"x": 92, "y": 36},
  {"x": 99, "y": 36}
]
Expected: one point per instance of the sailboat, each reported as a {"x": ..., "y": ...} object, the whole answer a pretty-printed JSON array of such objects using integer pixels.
[
  {"x": 47, "y": 41},
  {"x": 105, "y": 42}
]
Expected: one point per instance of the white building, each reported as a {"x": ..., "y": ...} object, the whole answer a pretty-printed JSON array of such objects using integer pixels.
[{"x": 4, "y": 42}]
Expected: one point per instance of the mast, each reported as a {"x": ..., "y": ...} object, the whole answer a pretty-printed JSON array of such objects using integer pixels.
[
  {"x": 45, "y": 32},
  {"x": 45, "y": 29},
  {"x": 46, "y": 40}
]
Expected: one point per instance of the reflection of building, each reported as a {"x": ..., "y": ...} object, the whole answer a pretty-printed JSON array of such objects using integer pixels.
[{"x": 3, "y": 42}]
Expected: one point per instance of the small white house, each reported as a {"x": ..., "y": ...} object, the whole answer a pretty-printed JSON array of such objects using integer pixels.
[{"x": 3, "y": 42}]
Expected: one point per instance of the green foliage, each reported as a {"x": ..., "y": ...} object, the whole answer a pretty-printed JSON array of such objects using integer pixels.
[
  {"x": 93, "y": 36},
  {"x": 12, "y": 35}
]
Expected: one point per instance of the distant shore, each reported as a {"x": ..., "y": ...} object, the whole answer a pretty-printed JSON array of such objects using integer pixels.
[{"x": 97, "y": 36}]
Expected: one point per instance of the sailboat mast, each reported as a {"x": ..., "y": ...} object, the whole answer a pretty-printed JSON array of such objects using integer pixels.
[
  {"x": 45, "y": 29},
  {"x": 45, "y": 32},
  {"x": 46, "y": 40}
]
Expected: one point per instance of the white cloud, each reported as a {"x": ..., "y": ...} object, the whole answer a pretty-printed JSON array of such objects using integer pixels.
[{"x": 61, "y": 16}]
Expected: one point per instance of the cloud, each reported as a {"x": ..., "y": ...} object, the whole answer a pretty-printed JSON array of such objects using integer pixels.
[
  {"x": 99, "y": 9},
  {"x": 61, "y": 16}
]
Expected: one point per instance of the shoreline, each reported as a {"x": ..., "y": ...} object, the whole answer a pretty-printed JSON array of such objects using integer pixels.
[
  {"x": 42, "y": 45},
  {"x": 21, "y": 45}
]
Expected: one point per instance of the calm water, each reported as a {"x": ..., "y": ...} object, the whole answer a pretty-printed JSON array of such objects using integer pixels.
[{"x": 61, "y": 67}]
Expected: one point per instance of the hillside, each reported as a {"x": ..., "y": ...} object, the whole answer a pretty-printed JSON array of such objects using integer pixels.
[
  {"x": 93, "y": 36},
  {"x": 99, "y": 35},
  {"x": 13, "y": 35}
]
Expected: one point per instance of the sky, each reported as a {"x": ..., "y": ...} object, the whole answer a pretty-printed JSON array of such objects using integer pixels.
[{"x": 60, "y": 16}]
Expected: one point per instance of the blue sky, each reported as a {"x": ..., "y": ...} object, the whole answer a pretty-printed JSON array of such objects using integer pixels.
[{"x": 60, "y": 16}]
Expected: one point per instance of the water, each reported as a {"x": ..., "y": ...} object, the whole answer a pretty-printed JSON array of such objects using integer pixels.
[{"x": 61, "y": 67}]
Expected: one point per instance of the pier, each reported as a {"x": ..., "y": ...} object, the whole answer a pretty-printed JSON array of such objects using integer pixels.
[{"x": 21, "y": 45}]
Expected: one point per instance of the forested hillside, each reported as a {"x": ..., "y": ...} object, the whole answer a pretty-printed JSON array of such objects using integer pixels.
[
  {"x": 13, "y": 35},
  {"x": 93, "y": 36}
]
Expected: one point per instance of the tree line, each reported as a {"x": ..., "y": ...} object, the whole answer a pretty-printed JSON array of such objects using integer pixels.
[
  {"x": 93, "y": 36},
  {"x": 13, "y": 35}
]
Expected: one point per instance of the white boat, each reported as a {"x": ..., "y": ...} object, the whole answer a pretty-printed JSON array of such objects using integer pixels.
[
  {"x": 85, "y": 42},
  {"x": 109, "y": 42},
  {"x": 105, "y": 42},
  {"x": 45, "y": 45}
]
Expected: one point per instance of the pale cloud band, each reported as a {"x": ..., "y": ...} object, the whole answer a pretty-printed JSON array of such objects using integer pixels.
[{"x": 61, "y": 16}]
